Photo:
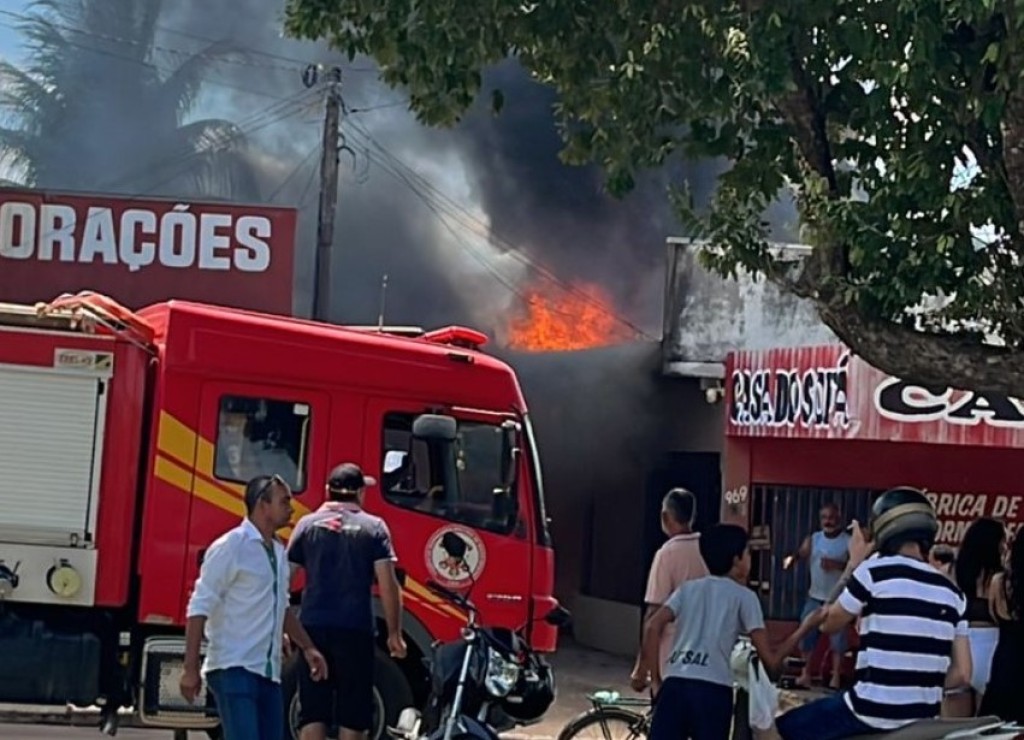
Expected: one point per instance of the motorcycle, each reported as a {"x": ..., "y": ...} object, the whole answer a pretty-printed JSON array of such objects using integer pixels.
[
  {"x": 970, "y": 728},
  {"x": 487, "y": 682}
]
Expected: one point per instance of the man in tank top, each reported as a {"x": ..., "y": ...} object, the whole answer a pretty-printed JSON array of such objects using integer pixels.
[{"x": 826, "y": 552}]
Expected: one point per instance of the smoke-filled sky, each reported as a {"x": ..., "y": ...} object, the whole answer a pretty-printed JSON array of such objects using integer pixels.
[{"x": 455, "y": 218}]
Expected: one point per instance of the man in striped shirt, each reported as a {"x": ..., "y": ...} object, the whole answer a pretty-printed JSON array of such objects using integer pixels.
[{"x": 913, "y": 630}]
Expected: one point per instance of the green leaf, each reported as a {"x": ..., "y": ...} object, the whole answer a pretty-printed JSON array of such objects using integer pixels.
[{"x": 899, "y": 89}]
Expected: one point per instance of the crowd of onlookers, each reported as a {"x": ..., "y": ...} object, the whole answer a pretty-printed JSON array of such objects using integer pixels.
[
  {"x": 989, "y": 568},
  {"x": 939, "y": 632}
]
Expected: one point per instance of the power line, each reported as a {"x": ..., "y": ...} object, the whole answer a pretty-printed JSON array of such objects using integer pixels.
[
  {"x": 147, "y": 192},
  {"x": 461, "y": 215},
  {"x": 447, "y": 207},
  {"x": 215, "y": 58},
  {"x": 220, "y": 59},
  {"x": 302, "y": 163},
  {"x": 438, "y": 202},
  {"x": 275, "y": 113},
  {"x": 291, "y": 60}
]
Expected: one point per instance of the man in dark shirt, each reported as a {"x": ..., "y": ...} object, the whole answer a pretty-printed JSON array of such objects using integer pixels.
[{"x": 342, "y": 549}]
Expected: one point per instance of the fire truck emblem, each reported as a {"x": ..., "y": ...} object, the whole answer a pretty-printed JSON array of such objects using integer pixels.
[{"x": 455, "y": 556}]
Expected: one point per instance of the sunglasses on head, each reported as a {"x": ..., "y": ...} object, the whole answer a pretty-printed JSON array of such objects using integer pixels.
[{"x": 273, "y": 480}]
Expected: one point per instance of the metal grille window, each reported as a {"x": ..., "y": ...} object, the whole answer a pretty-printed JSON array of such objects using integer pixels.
[{"x": 781, "y": 516}]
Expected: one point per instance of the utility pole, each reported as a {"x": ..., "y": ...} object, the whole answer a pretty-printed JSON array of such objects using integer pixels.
[{"x": 328, "y": 198}]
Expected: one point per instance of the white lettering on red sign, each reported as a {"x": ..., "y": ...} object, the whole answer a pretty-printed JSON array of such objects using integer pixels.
[
  {"x": 815, "y": 397},
  {"x": 139, "y": 238},
  {"x": 956, "y": 511}
]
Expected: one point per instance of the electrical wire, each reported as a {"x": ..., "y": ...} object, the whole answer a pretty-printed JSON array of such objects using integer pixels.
[
  {"x": 416, "y": 182},
  {"x": 187, "y": 153},
  {"x": 298, "y": 67},
  {"x": 302, "y": 163},
  {"x": 438, "y": 202},
  {"x": 147, "y": 192}
]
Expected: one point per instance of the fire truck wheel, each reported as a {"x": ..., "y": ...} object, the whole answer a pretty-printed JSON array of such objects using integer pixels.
[{"x": 391, "y": 694}]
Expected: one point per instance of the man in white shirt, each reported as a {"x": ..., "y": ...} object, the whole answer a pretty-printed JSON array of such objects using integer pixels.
[{"x": 240, "y": 601}]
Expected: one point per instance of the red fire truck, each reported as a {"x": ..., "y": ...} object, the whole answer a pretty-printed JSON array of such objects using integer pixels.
[{"x": 125, "y": 441}]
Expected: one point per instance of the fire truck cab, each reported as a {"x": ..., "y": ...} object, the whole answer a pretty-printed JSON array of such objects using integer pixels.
[{"x": 125, "y": 443}]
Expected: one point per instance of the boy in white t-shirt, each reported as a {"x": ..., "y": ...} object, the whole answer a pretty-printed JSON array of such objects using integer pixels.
[{"x": 696, "y": 695}]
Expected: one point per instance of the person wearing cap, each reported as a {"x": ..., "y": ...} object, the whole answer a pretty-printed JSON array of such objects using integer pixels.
[
  {"x": 240, "y": 602},
  {"x": 913, "y": 628},
  {"x": 342, "y": 549}
]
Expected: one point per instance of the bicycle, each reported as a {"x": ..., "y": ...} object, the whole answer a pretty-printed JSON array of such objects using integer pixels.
[{"x": 608, "y": 709}]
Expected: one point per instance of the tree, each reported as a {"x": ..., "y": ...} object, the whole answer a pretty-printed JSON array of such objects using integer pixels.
[
  {"x": 866, "y": 111},
  {"x": 100, "y": 107}
]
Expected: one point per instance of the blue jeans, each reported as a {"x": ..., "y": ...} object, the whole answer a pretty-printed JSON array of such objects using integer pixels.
[
  {"x": 691, "y": 710},
  {"x": 250, "y": 706},
  {"x": 825, "y": 719},
  {"x": 837, "y": 640}
]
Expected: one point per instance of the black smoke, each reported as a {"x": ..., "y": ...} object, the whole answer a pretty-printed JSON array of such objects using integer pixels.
[
  {"x": 539, "y": 211},
  {"x": 517, "y": 206},
  {"x": 562, "y": 216}
]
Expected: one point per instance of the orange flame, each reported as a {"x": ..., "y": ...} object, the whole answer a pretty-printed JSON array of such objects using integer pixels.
[{"x": 557, "y": 318}]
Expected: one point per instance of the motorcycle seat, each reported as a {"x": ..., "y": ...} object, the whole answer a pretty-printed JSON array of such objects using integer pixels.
[{"x": 934, "y": 729}]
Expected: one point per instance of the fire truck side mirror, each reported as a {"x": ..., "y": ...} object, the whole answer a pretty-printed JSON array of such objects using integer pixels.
[{"x": 435, "y": 427}]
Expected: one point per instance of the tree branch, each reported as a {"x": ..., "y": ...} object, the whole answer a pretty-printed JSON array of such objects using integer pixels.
[
  {"x": 1013, "y": 120},
  {"x": 1013, "y": 150},
  {"x": 804, "y": 112},
  {"x": 929, "y": 359}
]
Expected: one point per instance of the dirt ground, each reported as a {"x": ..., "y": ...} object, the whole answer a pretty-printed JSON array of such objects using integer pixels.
[{"x": 577, "y": 672}]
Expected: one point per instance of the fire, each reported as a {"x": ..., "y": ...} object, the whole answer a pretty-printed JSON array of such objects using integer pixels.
[{"x": 557, "y": 318}]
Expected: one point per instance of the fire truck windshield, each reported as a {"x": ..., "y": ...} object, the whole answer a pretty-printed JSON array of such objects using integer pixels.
[{"x": 461, "y": 481}]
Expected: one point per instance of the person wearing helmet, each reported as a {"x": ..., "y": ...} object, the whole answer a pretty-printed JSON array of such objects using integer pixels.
[{"x": 913, "y": 628}]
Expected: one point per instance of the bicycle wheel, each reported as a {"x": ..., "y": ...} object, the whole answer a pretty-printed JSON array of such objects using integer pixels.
[{"x": 606, "y": 723}]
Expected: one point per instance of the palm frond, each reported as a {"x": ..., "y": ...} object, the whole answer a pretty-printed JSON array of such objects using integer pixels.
[
  {"x": 211, "y": 134},
  {"x": 97, "y": 107},
  {"x": 181, "y": 88},
  {"x": 226, "y": 174}
]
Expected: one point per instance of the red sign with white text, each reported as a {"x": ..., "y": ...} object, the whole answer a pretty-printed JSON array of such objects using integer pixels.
[
  {"x": 825, "y": 392},
  {"x": 141, "y": 251},
  {"x": 956, "y": 512}
]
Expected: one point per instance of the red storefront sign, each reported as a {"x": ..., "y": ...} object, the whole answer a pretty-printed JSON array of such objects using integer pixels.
[
  {"x": 825, "y": 393},
  {"x": 143, "y": 251},
  {"x": 956, "y": 511}
]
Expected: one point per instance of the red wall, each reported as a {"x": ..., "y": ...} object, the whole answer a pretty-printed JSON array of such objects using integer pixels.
[{"x": 852, "y": 464}]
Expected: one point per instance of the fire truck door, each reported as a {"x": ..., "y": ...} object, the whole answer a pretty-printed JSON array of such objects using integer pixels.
[
  {"x": 247, "y": 431},
  {"x": 460, "y": 533}
]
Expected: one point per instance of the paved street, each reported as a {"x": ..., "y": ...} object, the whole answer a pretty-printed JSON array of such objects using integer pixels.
[{"x": 577, "y": 672}]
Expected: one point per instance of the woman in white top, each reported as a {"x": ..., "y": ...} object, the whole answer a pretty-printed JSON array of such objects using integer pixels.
[{"x": 979, "y": 560}]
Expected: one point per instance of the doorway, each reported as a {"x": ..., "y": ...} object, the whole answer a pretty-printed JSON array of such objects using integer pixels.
[{"x": 699, "y": 472}]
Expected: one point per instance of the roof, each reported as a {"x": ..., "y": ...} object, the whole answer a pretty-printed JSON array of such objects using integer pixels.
[{"x": 283, "y": 349}]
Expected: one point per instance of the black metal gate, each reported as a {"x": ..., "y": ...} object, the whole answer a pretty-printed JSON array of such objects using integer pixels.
[{"x": 781, "y": 516}]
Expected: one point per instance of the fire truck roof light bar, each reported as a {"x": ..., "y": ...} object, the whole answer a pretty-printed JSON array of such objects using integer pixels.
[{"x": 458, "y": 336}]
